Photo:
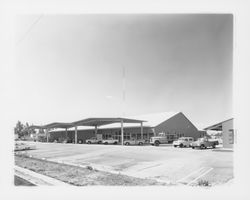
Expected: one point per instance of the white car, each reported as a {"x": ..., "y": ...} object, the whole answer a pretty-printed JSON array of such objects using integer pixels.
[
  {"x": 110, "y": 141},
  {"x": 183, "y": 142},
  {"x": 134, "y": 142},
  {"x": 93, "y": 140}
]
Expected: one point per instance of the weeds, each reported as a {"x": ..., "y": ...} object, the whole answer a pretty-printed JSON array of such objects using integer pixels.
[{"x": 204, "y": 183}]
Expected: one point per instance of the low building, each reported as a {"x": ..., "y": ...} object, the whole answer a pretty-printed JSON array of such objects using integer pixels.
[
  {"x": 227, "y": 129},
  {"x": 172, "y": 124}
]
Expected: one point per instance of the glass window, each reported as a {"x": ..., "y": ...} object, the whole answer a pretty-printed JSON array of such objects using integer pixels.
[{"x": 231, "y": 136}]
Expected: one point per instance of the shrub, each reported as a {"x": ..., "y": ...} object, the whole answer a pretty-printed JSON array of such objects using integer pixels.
[{"x": 203, "y": 183}]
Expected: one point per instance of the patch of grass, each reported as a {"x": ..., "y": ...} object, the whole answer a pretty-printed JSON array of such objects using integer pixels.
[{"x": 80, "y": 176}]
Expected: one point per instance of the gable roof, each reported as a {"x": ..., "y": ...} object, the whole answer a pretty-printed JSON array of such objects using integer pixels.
[{"x": 151, "y": 120}]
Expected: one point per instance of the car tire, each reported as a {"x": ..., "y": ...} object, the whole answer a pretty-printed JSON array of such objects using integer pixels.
[
  {"x": 202, "y": 146},
  {"x": 157, "y": 143},
  {"x": 175, "y": 146},
  {"x": 192, "y": 147},
  {"x": 181, "y": 145},
  {"x": 106, "y": 143},
  {"x": 126, "y": 143},
  {"x": 115, "y": 142},
  {"x": 88, "y": 142},
  {"x": 140, "y": 143}
]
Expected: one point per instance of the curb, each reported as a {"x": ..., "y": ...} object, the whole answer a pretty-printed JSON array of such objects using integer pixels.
[{"x": 37, "y": 179}]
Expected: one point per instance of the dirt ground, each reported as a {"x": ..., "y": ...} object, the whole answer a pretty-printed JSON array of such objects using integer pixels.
[{"x": 80, "y": 176}]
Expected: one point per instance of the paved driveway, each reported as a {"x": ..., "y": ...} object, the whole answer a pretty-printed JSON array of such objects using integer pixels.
[{"x": 163, "y": 163}]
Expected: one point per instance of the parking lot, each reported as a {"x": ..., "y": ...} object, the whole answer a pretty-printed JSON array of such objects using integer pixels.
[{"x": 165, "y": 163}]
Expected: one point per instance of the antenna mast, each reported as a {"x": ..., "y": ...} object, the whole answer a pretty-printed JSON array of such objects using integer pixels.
[{"x": 123, "y": 91}]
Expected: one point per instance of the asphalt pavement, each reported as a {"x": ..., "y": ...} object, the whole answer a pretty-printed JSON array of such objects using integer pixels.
[{"x": 165, "y": 163}]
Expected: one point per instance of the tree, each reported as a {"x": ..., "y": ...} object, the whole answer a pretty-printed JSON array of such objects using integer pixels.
[
  {"x": 19, "y": 129},
  {"x": 23, "y": 130}
]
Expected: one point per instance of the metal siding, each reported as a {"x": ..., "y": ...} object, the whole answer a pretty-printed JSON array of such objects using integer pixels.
[
  {"x": 178, "y": 124},
  {"x": 226, "y": 134}
]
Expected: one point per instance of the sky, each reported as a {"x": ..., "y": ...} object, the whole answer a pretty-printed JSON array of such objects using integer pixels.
[{"x": 69, "y": 67}]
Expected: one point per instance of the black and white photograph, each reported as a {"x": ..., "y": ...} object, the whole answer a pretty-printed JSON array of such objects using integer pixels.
[
  {"x": 124, "y": 100},
  {"x": 136, "y": 100}
]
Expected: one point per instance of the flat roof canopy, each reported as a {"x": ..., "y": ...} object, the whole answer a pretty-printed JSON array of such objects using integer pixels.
[
  {"x": 104, "y": 121},
  {"x": 88, "y": 122},
  {"x": 54, "y": 125},
  {"x": 216, "y": 127}
]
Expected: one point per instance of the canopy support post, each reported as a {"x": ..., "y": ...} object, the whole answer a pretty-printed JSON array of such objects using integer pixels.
[
  {"x": 75, "y": 134},
  {"x": 122, "y": 132},
  {"x": 47, "y": 135},
  {"x": 141, "y": 130},
  {"x": 66, "y": 130},
  {"x": 96, "y": 131}
]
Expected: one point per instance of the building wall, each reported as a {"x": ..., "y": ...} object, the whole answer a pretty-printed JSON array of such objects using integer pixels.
[
  {"x": 179, "y": 126},
  {"x": 228, "y": 134}
]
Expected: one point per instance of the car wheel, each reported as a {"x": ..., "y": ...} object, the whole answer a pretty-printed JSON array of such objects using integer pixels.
[
  {"x": 115, "y": 142},
  {"x": 140, "y": 143},
  {"x": 88, "y": 142},
  {"x": 202, "y": 146},
  {"x": 192, "y": 147},
  {"x": 126, "y": 143},
  {"x": 157, "y": 143},
  {"x": 213, "y": 146},
  {"x": 175, "y": 146},
  {"x": 181, "y": 145},
  {"x": 105, "y": 143}
]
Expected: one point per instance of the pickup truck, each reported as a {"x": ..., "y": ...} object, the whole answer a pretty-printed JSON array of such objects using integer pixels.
[
  {"x": 183, "y": 142},
  {"x": 93, "y": 140},
  {"x": 204, "y": 143},
  {"x": 134, "y": 142},
  {"x": 110, "y": 141}
]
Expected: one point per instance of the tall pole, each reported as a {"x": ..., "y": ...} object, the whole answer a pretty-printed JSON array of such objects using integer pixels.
[{"x": 123, "y": 90}]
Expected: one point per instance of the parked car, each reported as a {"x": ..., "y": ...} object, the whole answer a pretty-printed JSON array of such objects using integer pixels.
[
  {"x": 19, "y": 146},
  {"x": 134, "y": 142},
  {"x": 110, "y": 141},
  {"x": 93, "y": 140},
  {"x": 204, "y": 143},
  {"x": 183, "y": 142}
]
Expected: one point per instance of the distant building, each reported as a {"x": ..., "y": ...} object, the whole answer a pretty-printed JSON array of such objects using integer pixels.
[
  {"x": 172, "y": 124},
  {"x": 227, "y": 129}
]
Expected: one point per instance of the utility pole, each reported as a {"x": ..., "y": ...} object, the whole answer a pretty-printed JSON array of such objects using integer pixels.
[{"x": 123, "y": 90}]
